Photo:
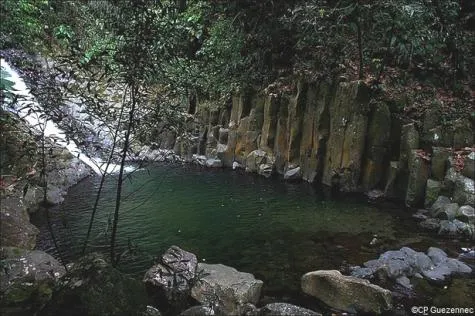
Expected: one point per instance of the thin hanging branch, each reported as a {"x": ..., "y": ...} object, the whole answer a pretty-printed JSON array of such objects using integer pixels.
[{"x": 104, "y": 175}]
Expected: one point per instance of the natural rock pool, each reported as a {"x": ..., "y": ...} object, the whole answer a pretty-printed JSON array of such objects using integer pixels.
[{"x": 274, "y": 229}]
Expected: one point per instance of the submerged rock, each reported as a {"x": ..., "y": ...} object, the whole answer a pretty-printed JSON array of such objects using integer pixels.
[
  {"x": 346, "y": 293},
  {"x": 225, "y": 288}
]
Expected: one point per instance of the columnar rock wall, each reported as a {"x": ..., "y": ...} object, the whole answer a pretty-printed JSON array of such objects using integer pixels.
[{"x": 334, "y": 134}]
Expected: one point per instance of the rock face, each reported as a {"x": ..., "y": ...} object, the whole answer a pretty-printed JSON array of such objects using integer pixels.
[
  {"x": 399, "y": 265},
  {"x": 284, "y": 309},
  {"x": 339, "y": 136},
  {"x": 170, "y": 281},
  {"x": 346, "y": 143},
  {"x": 27, "y": 278},
  {"x": 346, "y": 293},
  {"x": 16, "y": 229},
  {"x": 225, "y": 288}
]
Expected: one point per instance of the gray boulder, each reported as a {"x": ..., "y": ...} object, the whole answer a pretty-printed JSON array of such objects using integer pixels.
[
  {"x": 266, "y": 170},
  {"x": 225, "y": 288},
  {"x": 171, "y": 279},
  {"x": 432, "y": 224},
  {"x": 199, "y": 160},
  {"x": 399, "y": 265},
  {"x": 444, "y": 266},
  {"x": 466, "y": 213},
  {"x": 439, "y": 204},
  {"x": 346, "y": 293},
  {"x": 464, "y": 191},
  {"x": 285, "y": 309},
  {"x": 214, "y": 163},
  {"x": 456, "y": 228},
  {"x": 447, "y": 211},
  {"x": 293, "y": 174},
  {"x": 27, "y": 278},
  {"x": 199, "y": 311},
  {"x": 255, "y": 159}
]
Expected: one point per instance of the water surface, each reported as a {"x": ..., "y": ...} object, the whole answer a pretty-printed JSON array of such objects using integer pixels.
[{"x": 273, "y": 229}]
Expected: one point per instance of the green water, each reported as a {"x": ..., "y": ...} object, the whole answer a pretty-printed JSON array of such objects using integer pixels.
[{"x": 275, "y": 230}]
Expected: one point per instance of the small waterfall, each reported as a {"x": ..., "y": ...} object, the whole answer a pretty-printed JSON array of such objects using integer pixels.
[{"x": 28, "y": 109}]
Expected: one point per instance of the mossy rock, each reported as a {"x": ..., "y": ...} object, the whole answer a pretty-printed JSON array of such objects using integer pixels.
[{"x": 93, "y": 287}]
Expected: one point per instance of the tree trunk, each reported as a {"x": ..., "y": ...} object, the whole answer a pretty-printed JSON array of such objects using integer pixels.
[{"x": 114, "y": 258}]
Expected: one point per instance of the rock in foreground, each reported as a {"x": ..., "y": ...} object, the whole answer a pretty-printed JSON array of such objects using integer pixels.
[
  {"x": 170, "y": 281},
  {"x": 284, "y": 309},
  {"x": 346, "y": 293},
  {"x": 225, "y": 288}
]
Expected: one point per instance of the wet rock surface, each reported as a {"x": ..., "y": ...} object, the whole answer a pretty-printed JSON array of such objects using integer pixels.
[
  {"x": 285, "y": 309},
  {"x": 170, "y": 281},
  {"x": 225, "y": 288},
  {"x": 27, "y": 279},
  {"x": 399, "y": 265},
  {"x": 346, "y": 293}
]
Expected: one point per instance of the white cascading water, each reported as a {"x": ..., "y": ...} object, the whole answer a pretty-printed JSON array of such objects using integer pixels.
[{"x": 29, "y": 110}]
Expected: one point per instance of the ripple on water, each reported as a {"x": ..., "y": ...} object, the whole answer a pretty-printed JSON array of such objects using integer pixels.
[{"x": 276, "y": 230}]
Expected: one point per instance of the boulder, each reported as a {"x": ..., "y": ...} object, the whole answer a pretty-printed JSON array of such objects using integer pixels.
[
  {"x": 432, "y": 224},
  {"x": 444, "y": 266},
  {"x": 226, "y": 288},
  {"x": 285, "y": 309},
  {"x": 469, "y": 166},
  {"x": 214, "y": 163},
  {"x": 346, "y": 293},
  {"x": 170, "y": 280},
  {"x": 466, "y": 213},
  {"x": 27, "y": 278},
  {"x": 199, "y": 311},
  {"x": 255, "y": 159},
  {"x": 266, "y": 170},
  {"x": 433, "y": 188},
  {"x": 93, "y": 287},
  {"x": 464, "y": 191},
  {"x": 199, "y": 160},
  {"x": 447, "y": 211},
  {"x": 236, "y": 165},
  {"x": 400, "y": 265},
  {"x": 456, "y": 228},
  {"x": 439, "y": 204},
  {"x": 293, "y": 174}
]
